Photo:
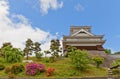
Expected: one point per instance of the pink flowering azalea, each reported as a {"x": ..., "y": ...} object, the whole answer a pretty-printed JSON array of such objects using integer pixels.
[{"x": 34, "y": 68}]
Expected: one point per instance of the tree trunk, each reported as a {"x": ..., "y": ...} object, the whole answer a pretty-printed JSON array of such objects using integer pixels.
[{"x": 27, "y": 56}]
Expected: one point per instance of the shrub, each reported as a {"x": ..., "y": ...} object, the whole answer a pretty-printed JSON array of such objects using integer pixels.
[
  {"x": 52, "y": 59},
  {"x": 116, "y": 62},
  {"x": 2, "y": 67},
  {"x": 46, "y": 60},
  {"x": 79, "y": 59},
  {"x": 11, "y": 76},
  {"x": 34, "y": 68},
  {"x": 41, "y": 67},
  {"x": 50, "y": 71},
  {"x": 115, "y": 71},
  {"x": 98, "y": 60},
  {"x": 38, "y": 55},
  {"x": 16, "y": 68},
  {"x": 12, "y": 55},
  {"x": 72, "y": 73},
  {"x": 2, "y": 60},
  {"x": 7, "y": 70},
  {"x": 107, "y": 51},
  {"x": 49, "y": 59}
]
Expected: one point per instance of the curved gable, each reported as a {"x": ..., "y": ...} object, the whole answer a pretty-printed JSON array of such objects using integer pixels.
[{"x": 82, "y": 32}]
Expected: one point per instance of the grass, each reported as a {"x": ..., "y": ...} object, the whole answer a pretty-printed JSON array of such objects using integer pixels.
[{"x": 63, "y": 69}]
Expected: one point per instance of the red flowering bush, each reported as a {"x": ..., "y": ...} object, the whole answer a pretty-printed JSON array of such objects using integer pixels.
[
  {"x": 50, "y": 71},
  {"x": 34, "y": 68}
]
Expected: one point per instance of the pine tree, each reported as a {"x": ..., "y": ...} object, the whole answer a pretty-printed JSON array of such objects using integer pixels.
[
  {"x": 55, "y": 48},
  {"x": 28, "y": 50}
]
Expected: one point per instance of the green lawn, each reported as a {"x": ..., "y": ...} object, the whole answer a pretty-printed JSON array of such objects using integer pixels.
[{"x": 63, "y": 68}]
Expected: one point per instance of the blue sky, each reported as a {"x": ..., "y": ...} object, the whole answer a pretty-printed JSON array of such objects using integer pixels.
[{"x": 102, "y": 15}]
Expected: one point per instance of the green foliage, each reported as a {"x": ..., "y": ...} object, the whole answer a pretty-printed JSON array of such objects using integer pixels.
[
  {"x": 31, "y": 47},
  {"x": 52, "y": 59},
  {"x": 16, "y": 68},
  {"x": 38, "y": 55},
  {"x": 55, "y": 48},
  {"x": 116, "y": 71},
  {"x": 28, "y": 50},
  {"x": 98, "y": 60},
  {"x": 2, "y": 60},
  {"x": 68, "y": 50},
  {"x": 11, "y": 76},
  {"x": 46, "y": 60},
  {"x": 117, "y": 52},
  {"x": 2, "y": 67},
  {"x": 63, "y": 69},
  {"x": 116, "y": 62},
  {"x": 4, "y": 45},
  {"x": 47, "y": 52},
  {"x": 11, "y": 54},
  {"x": 37, "y": 50},
  {"x": 7, "y": 70},
  {"x": 80, "y": 59},
  {"x": 37, "y": 47},
  {"x": 72, "y": 73},
  {"x": 107, "y": 51}
]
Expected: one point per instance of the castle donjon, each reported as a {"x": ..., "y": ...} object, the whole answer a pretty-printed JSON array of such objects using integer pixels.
[{"x": 82, "y": 38}]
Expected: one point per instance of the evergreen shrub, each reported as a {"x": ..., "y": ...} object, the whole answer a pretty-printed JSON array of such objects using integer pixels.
[
  {"x": 7, "y": 70},
  {"x": 16, "y": 68},
  {"x": 2, "y": 67}
]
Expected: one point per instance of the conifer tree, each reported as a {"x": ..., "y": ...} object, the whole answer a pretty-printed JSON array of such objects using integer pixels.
[
  {"x": 37, "y": 50},
  {"x": 55, "y": 48},
  {"x": 28, "y": 50}
]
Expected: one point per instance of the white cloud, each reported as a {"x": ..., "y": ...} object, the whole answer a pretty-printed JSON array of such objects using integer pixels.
[
  {"x": 79, "y": 7},
  {"x": 45, "y": 5},
  {"x": 17, "y": 32}
]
